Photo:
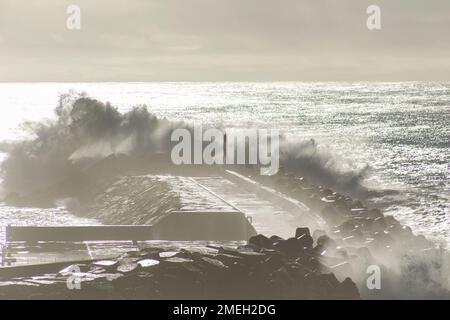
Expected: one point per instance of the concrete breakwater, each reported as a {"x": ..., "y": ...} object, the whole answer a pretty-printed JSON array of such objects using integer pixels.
[{"x": 338, "y": 239}]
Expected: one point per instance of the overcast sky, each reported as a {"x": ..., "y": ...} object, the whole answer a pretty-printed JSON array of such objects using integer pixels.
[{"x": 212, "y": 40}]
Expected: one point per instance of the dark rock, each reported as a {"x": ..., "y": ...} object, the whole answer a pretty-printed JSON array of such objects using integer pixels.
[
  {"x": 276, "y": 238},
  {"x": 274, "y": 262},
  {"x": 330, "y": 280},
  {"x": 290, "y": 247},
  {"x": 306, "y": 241},
  {"x": 251, "y": 256},
  {"x": 214, "y": 263},
  {"x": 327, "y": 242},
  {"x": 326, "y": 192},
  {"x": 341, "y": 269},
  {"x": 261, "y": 241},
  {"x": 228, "y": 259},
  {"x": 302, "y": 231},
  {"x": 348, "y": 290},
  {"x": 313, "y": 264}
]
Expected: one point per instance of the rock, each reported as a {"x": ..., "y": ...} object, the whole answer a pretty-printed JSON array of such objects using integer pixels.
[
  {"x": 127, "y": 267},
  {"x": 261, "y": 241},
  {"x": 302, "y": 231},
  {"x": 228, "y": 259},
  {"x": 348, "y": 290},
  {"x": 327, "y": 242},
  {"x": 342, "y": 269},
  {"x": 229, "y": 250},
  {"x": 283, "y": 277},
  {"x": 177, "y": 260},
  {"x": 146, "y": 263},
  {"x": 290, "y": 247},
  {"x": 306, "y": 241},
  {"x": 149, "y": 255},
  {"x": 251, "y": 256},
  {"x": 276, "y": 238},
  {"x": 330, "y": 279},
  {"x": 326, "y": 192},
  {"x": 214, "y": 263},
  {"x": 106, "y": 263},
  {"x": 168, "y": 254},
  {"x": 274, "y": 262},
  {"x": 247, "y": 248}
]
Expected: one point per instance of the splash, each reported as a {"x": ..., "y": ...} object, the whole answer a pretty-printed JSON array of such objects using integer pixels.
[
  {"x": 86, "y": 130},
  {"x": 321, "y": 167}
]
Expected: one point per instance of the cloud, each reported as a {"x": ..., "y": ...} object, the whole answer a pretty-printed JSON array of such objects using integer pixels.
[{"x": 156, "y": 40}]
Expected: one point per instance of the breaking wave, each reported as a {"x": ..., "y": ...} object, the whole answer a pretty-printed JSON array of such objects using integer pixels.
[{"x": 86, "y": 130}]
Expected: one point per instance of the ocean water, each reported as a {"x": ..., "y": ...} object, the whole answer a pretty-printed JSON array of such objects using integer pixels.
[{"x": 401, "y": 131}]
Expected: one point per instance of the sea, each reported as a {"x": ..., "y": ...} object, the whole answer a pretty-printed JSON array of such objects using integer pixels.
[{"x": 400, "y": 131}]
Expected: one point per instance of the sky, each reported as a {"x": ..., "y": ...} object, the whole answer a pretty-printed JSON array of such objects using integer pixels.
[{"x": 224, "y": 40}]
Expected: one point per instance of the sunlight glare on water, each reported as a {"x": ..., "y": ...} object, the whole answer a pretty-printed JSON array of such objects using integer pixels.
[{"x": 400, "y": 129}]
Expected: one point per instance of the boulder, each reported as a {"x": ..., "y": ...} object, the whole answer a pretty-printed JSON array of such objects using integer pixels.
[
  {"x": 306, "y": 241},
  {"x": 302, "y": 231},
  {"x": 327, "y": 242},
  {"x": 276, "y": 238},
  {"x": 261, "y": 241},
  {"x": 290, "y": 247},
  {"x": 347, "y": 290}
]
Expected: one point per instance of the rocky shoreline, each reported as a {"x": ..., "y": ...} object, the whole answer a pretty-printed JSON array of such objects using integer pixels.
[
  {"x": 357, "y": 237},
  {"x": 265, "y": 268}
]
